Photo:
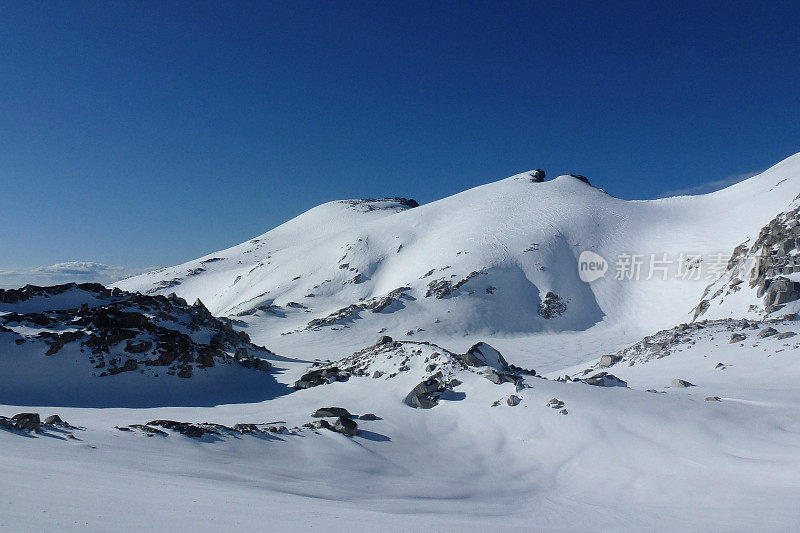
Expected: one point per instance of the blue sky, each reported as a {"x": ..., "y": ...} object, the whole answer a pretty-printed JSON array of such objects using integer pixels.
[{"x": 141, "y": 134}]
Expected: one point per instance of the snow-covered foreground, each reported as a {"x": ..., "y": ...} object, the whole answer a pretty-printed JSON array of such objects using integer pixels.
[
  {"x": 695, "y": 427},
  {"x": 620, "y": 458}
]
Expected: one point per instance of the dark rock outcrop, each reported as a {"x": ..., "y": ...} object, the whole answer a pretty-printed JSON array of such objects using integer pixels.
[
  {"x": 537, "y": 176},
  {"x": 552, "y": 306},
  {"x": 426, "y": 394}
]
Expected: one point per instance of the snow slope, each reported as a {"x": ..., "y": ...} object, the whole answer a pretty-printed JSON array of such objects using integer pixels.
[{"x": 521, "y": 239}]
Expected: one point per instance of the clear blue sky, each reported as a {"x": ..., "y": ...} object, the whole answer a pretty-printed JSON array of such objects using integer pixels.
[{"x": 149, "y": 133}]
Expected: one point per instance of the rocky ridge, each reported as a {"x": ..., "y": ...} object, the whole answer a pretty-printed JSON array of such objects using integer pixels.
[{"x": 123, "y": 332}]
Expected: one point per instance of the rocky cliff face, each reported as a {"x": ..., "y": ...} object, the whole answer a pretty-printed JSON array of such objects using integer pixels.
[{"x": 770, "y": 266}]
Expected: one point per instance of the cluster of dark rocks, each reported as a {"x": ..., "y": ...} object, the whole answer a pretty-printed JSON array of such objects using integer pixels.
[
  {"x": 373, "y": 204},
  {"x": 32, "y": 422},
  {"x": 337, "y": 419},
  {"x": 441, "y": 288},
  {"x": 580, "y": 177},
  {"x": 375, "y": 305},
  {"x": 344, "y": 421},
  {"x": 321, "y": 376},
  {"x": 123, "y": 331},
  {"x": 426, "y": 395},
  {"x": 199, "y": 430},
  {"x": 537, "y": 176},
  {"x": 552, "y": 306}
]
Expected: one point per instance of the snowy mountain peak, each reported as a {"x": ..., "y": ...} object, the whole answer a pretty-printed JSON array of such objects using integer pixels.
[{"x": 499, "y": 259}]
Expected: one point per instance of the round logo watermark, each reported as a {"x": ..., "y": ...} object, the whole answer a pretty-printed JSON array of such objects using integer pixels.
[{"x": 591, "y": 266}]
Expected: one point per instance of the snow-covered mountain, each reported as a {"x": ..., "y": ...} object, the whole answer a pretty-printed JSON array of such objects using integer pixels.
[
  {"x": 479, "y": 263},
  {"x": 491, "y": 360}
]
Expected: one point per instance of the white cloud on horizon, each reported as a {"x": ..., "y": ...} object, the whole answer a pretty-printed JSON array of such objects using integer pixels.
[
  {"x": 711, "y": 186},
  {"x": 78, "y": 271}
]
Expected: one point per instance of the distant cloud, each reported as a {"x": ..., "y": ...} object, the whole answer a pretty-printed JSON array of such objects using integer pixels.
[
  {"x": 78, "y": 271},
  {"x": 711, "y": 186}
]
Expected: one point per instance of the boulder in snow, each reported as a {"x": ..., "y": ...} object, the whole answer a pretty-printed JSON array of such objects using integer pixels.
[
  {"x": 537, "y": 176},
  {"x": 331, "y": 412},
  {"x": 767, "y": 332},
  {"x": 345, "y": 426},
  {"x": 604, "y": 379},
  {"x": 482, "y": 354}
]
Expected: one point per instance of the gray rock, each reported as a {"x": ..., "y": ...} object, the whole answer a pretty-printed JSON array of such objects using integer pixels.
[
  {"x": 537, "y": 176},
  {"x": 604, "y": 379},
  {"x": 513, "y": 400},
  {"x": 332, "y": 411},
  {"x": 785, "y": 335},
  {"x": 499, "y": 378},
  {"x": 377, "y": 374},
  {"x": 482, "y": 354},
  {"x": 426, "y": 394},
  {"x": 345, "y": 426},
  {"x": 385, "y": 339},
  {"x": 767, "y": 332},
  {"x": 681, "y": 384},
  {"x": 27, "y": 421},
  {"x": 609, "y": 360},
  {"x": 552, "y": 306},
  {"x": 369, "y": 416},
  {"x": 55, "y": 420},
  {"x": 737, "y": 337},
  {"x": 713, "y": 398},
  {"x": 555, "y": 403}
]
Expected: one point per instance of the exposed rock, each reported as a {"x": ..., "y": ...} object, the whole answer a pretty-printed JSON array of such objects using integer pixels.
[
  {"x": 441, "y": 288},
  {"x": 138, "y": 347},
  {"x": 27, "y": 421},
  {"x": 123, "y": 332},
  {"x": 737, "y": 337},
  {"x": 681, "y": 384},
  {"x": 555, "y": 403},
  {"x": 501, "y": 377},
  {"x": 54, "y": 420},
  {"x": 537, "y": 176},
  {"x": 369, "y": 416},
  {"x": 323, "y": 424},
  {"x": 785, "y": 335},
  {"x": 482, "y": 354},
  {"x": 426, "y": 394},
  {"x": 604, "y": 379},
  {"x": 552, "y": 306},
  {"x": 513, "y": 400},
  {"x": 767, "y": 332},
  {"x": 184, "y": 428},
  {"x": 581, "y": 178},
  {"x": 331, "y": 412},
  {"x": 320, "y": 376},
  {"x": 607, "y": 361},
  {"x": 345, "y": 426},
  {"x": 713, "y": 398},
  {"x": 128, "y": 366}
]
